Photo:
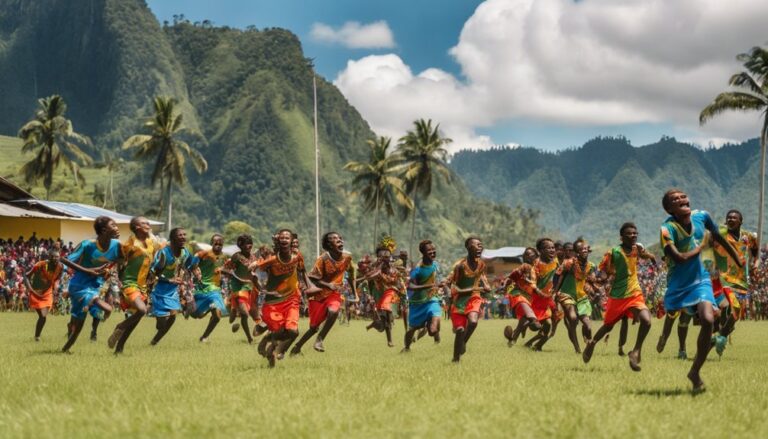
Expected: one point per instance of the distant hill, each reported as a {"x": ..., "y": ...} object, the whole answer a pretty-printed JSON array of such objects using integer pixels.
[
  {"x": 592, "y": 190},
  {"x": 250, "y": 94}
]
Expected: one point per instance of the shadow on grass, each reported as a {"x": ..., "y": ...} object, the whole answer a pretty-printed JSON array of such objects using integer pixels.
[
  {"x": 663, "y": 393},
  {"x": 49, "y": 351}
]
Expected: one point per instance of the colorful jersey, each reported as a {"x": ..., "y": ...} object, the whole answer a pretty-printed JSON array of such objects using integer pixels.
[
  {"x": 623, "y": 268},
  {"x": 41, "y": 278},
  {"x": 332, "y": 272},
  {"x": 682, "y": 276},
  {"x": 282, "y": 277},
  {"x": 384, "y": 282},
  {"x": 523, "y": 281},
  {"x": 239, "y": 264},
  {"x": 88, "y": 254},
  {"x": 137, "y": 257},
  {"x": 424, "y": 275},
  {"x": 731, "y": 274},
  {"x": 464, "y": 277},
  {"x": 545, "y": 275},
  {"x": 170, "y": 266},
  {"x": 210, "y": 265},
  {"x": 574, "y": 277}
]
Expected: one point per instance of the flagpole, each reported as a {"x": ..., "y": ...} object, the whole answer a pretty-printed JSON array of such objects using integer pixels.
[{"x": 317, "y": 172}]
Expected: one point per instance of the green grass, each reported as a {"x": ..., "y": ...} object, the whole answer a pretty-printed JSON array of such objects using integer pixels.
[{"x": 361, "y": 388}]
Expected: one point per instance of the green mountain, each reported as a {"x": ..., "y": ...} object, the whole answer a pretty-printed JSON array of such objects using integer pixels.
[
  {"x": 592, "y": 190},
  {"x": 249, "y": 92}
]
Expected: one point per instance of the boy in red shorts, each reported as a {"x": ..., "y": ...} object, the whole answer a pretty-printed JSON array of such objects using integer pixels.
[
  {"x": 468, "y": 281},
  {"x": 328, "y": 273},
  {"x": 626, "y": 296}
]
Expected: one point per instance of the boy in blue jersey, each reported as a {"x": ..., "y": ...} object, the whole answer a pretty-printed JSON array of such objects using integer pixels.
[
  {"x": 169, "y": 267},
  {"x": 90, "y": 261},
  {"x": 424, "y": 308},
  {"x": 689, "y": 287}
]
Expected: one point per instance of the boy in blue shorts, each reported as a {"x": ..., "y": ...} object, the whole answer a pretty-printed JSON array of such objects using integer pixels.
[
  {"x": 90, "y": 260},
  {"x": 169, "y": 267},
  {"x": 424, "y": 308},
  {"x": 689, "y": 287}
]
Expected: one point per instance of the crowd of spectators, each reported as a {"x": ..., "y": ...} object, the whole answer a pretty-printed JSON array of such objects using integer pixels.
[{"x": 17, "y": 256}]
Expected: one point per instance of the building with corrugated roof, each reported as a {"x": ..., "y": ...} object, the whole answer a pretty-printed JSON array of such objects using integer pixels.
[{"x": 21, "y": 214}]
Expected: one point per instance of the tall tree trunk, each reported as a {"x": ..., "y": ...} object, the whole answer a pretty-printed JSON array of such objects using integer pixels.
[
  {"x": 376, "y": 222},
  {"x": 761, "y": 205},
  {"x": 170, "y": 208},
  {"x": 413, "y": 222}
]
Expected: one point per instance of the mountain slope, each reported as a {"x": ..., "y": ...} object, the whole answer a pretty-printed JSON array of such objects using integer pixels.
[{"x": 608, "y": 181}]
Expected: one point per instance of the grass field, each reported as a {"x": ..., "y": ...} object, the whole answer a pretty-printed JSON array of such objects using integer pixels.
[{"x": 361, "y": 388}]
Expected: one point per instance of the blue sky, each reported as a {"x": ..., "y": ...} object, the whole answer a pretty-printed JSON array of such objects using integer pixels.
[{"x": 544, "y": 73}]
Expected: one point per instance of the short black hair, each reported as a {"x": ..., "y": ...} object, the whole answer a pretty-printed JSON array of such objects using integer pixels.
[
  {"x": 100, "y": 224},
  {"x": 423, "y": 246},
  {"x": 469, "y": 239},
  {"x": 540, "y": 243},
  {"x": 665, "y": 200},
  {"x": 244, "y": 239},
  {"x": 174, "y": 231},
  {"x": 736, "y": 211},
  {"x": 217, "y": 235},
  {"x": 326, "y": 240},
  {"x": 625, "y": 226}
]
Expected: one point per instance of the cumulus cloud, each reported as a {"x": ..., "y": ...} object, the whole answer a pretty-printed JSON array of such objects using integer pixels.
[
  {"x": 592, "y": 62},
  {"x": 354, "y": 35}
]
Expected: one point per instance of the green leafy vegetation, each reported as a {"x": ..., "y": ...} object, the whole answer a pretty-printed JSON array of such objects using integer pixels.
[
  {"x": 592, "y": 190},
  {"x": 248, "y": 92}
]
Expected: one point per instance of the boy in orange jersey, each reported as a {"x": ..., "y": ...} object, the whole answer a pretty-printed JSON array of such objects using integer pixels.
[
  {"x": 469, "y": 282},
  {"x": 41, "y": 280},
  {"x": 328, "y": 273},
  {"x": 282, "y": 297},
  {"x": 522, "y": 286},
  {"x": 542, "y": 302}
]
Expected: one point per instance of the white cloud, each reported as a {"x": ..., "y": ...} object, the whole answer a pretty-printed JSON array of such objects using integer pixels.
[
  {"x": 354, "y": 35},
  {"x": 592, "y": 62}
]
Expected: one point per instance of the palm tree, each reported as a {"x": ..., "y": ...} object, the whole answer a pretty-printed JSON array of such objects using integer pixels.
[
  {"x": 749, "y": 93},
  {"x": 163, "y": 145},
  {"x": 424, "y": 157},
  {"x": 54, "y": 141},
  {"x": 379, "y": 185}
]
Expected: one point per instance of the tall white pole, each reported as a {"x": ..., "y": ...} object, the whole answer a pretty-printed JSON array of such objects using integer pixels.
[{"x": 317, "y": 172}]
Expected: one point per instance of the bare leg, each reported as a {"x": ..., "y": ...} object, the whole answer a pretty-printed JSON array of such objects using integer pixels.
[
  {"x": 682, "y": 333},
  {"x": 124, "y": 329},
  {"x": 434, "y": 329},
  {"x": 408, "y": 338},
  {"x": 388, "y": 327},
  {"x": 304, "y": 338},
  {"x": 570, "y": 324},
  {"x": 458, "y": 345},
  {"x": 645, "y": 325},
  {"x": 243, "y": 311},
  {"x": 330, "y": 319},
  {"x": 590, "y": 347},
  {"x": 215, "y": 319},
  {"x": 586, "y": 328},
  {"x": 665, "y": 332},
  {"x": 623, "y": 330},
  {"x": 163, "y": 326},
  {"x": 42, "y": 315},
  {"x": 76, "y": 325},
  {"x": 703, "y": 345}
]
